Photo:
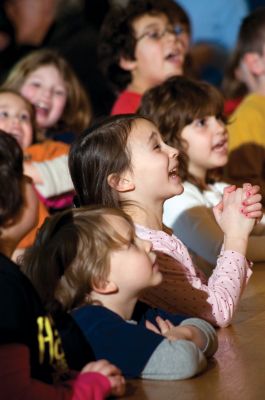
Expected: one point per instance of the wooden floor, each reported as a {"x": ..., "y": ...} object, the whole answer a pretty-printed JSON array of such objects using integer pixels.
[{"x": 237, "y": 372}]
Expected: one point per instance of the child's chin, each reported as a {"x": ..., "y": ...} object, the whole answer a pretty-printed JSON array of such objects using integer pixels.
[{"x": 179, "y": 190}]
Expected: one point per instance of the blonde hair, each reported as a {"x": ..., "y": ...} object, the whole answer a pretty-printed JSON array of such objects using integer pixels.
[
  {"x": 79, "y": 243},
  {"x": 77, "y": 111}
]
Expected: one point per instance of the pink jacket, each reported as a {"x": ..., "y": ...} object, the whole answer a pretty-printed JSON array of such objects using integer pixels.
[{"x": 185, "y": 288}]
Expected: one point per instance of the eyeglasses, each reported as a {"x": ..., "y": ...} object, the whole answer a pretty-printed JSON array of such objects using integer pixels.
[{"x": 157, "y": 34}]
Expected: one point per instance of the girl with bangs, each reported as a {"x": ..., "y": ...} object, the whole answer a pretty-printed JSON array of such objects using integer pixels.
[
  {"x": 123, "y": 161},
  {"x": 48, "y": 82},
  {"x": 190, "y": 116}
]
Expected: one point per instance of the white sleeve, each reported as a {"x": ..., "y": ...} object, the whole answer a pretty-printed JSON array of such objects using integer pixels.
[
  {"x": 194, "y": 224},
  {"x": 55, "y": 175}
]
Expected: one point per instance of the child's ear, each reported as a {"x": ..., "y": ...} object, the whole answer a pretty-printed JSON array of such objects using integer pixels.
[
  {"x": 105, "y": 287},
  {"x": 120, "y": 183},
  {"x": 126, "y": 64},
  {"x": 255, "y": 63}
]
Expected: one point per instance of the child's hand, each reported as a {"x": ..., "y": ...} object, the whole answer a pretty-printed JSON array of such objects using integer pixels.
[
  {"x": 236, "y": 215},
  {"x": 252, "y": 207},
  {"x": 113, "y": 373},
  {"x": 168, "y": 330},
  {"x": 172, "y": 332}
]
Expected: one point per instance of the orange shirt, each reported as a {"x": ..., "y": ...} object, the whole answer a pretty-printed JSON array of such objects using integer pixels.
[{"x": 39, "y": 152}]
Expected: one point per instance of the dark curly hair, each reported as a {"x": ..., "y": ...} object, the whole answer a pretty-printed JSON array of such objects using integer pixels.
[
  {"x": 117, "y": 38},
  {"x": 175, "y": 104},
  {"x": 11, "y": 175}
]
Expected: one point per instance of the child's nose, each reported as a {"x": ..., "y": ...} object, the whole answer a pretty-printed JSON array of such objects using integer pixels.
[
  {"x": 173, "y": 153},
  {"x": 15, "y": 121},
  {"x": 172, "y": 35},
  {"x": 46, "y": 92},
  {"x": 219, "y": 126}
]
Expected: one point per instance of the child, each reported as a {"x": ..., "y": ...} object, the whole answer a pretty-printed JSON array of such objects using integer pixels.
[
  {"x": 33, "y": 363},
  {"x": 98, "y": 269},
  {"x": 48, "y": 82},
  {"x": 62, "y": 112},
  {"x": 140, "y": 46},
  {"x": 17, "y": 118},
  {"x": 247, "y": 123},
  {"x": 190, "y": 116},
  {"x": 123, "y": 161}
]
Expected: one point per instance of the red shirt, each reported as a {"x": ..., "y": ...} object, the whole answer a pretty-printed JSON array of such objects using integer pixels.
[
  {"x": 231, "y": 104},
  {"x": 16, "y": 381},
  {"x": 127, "y": 103}
]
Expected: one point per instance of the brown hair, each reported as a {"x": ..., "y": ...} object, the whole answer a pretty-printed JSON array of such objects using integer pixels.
[
  {"x": 79, "y": 243},
  {"x": 100, "y": 151},
  {"x": 251, "y": 39},
  {"x": 117, "y": 36},
  {"x": 77, "y": 112},
  {"x": 11, "y": 177},
  {"x": 29, "y": 106},
  {"x": 177, "y": 103}
]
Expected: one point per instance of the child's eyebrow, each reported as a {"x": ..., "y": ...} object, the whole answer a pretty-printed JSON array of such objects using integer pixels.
[
  {"x": 153, "y": 25},
  {"x": 34, "y": 75},
  {"x": 152, "y": 136}
]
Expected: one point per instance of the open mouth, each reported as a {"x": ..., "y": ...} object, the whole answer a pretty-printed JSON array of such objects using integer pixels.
[
  {"x": 173, "y": 173},
  {"x": 42, "y": 109},
  {"x": 221, "y": 146},
  {"x": 174, "y": 57}
]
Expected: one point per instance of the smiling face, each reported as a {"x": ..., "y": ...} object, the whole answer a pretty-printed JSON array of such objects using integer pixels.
[
  {"x": 46, "y": 90},
  {"x": 154, "y": 165},
  {"x": 133, "y": 266},
  {"x": 207, "y": 148},
  {"x": 159, "y": 53},
  {"x": 16, "y": 118}
]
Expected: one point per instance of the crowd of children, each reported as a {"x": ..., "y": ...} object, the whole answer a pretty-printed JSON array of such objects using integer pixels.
[
  {"x": 123, "y": 162},
  {"x": 90, "y": 279},
  {"x": 133, "y": 237},
  {"x": 190, "y": 117},
  {"x": 33, "y": 362}
]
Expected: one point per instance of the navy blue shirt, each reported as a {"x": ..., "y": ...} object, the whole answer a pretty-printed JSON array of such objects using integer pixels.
[{"x": 128, "y": 345}]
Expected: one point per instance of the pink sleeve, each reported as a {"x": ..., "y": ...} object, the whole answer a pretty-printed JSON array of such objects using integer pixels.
[
  {"x": 185, "y": 289},
  {"x": 90, "y": 386}
]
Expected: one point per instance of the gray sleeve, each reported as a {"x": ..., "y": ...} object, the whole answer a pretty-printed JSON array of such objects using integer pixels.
[
  {"x": 55, "y": 175},
  {"x": 172, "y": 360},
  {"x": 209, "y": 332}
]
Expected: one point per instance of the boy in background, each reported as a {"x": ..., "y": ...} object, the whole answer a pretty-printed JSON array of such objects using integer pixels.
[
  {"x": 142, "y": 45},
  {"x": 247, "y": 124}
]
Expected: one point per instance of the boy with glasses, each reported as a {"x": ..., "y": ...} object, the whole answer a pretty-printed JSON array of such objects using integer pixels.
[{"x": 142, "y": 45}]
